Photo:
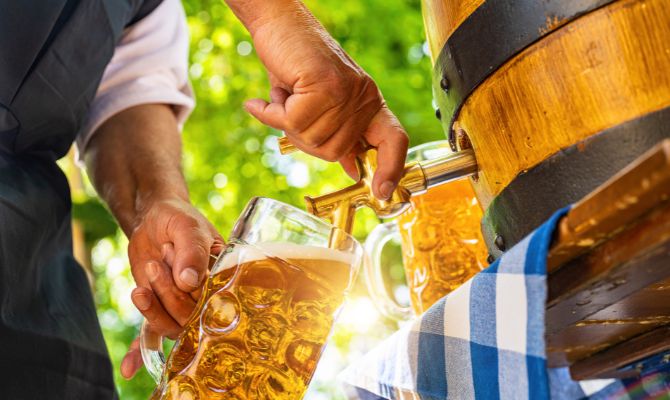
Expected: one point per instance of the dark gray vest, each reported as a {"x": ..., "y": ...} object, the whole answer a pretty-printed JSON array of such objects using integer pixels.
[{"x": 52, "y": 56}]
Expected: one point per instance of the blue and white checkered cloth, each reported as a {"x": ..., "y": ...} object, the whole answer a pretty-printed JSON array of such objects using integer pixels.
[{"x": 485, "y": 340}]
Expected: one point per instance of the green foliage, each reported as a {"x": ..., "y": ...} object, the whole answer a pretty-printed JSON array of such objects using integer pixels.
[
  {"x": 94, "y": 216},
  {"x": 229, "y": 157}
]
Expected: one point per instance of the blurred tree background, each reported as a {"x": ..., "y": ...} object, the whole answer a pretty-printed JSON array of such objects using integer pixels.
[{"x": 229, "y": 158}]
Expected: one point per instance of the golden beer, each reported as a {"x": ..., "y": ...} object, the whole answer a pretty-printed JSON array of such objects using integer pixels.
[
  {"x": 260, "y": 325},
  {"x": 442, "y": 243}
]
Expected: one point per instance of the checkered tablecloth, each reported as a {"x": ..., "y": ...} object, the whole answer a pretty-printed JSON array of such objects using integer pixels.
[{"x": 486, "y": 341}]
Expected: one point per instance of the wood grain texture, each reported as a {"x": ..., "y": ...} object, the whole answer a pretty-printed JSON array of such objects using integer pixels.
[
  {"x": 442, "y": 17},
  {"x": 625, "y": 264},
  {"x": 617, "y": 291},
  {"x": 605, "y": 68},
  {"x": 618, "y": 202},
  {"x": 578, "y": 342},
  {"x": 605, "y": 363},
  {"x": 609, "y": 275}
]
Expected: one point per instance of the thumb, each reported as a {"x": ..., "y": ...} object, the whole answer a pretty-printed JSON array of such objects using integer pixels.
[
  {"x": 271, "y": 114},
  {"x": 132, "y": 361},
  {"x": 192, "y": 245},
  {"x": 279, "y": 95}
]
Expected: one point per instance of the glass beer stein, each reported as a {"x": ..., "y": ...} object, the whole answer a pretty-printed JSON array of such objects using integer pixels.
[
  {"x": 265, "y": 313},
  {"x": 441, "y": 242}
]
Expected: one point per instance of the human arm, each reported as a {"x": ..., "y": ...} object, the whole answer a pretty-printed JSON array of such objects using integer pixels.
[
  {"x": 132, "y": 146},
  {"x": 134, "y": 162},
  {"x": 324, "y": 102}
]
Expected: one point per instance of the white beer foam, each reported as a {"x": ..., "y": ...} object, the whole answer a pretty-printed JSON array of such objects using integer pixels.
[{"x": 259, "y": 251}]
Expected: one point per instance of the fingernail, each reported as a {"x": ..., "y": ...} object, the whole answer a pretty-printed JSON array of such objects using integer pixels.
[
  {"x": 142, "y": 301},
  {"x": 124, "y": 368},
  {"x": 128, "y": 366},
  {"x": 190, "y": 277},
  {"x": 386, "y": 189},
  {"x": 152, "y": 271}
]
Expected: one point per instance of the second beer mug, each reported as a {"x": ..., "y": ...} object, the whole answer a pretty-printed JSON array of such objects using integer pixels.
[
  {"x": 441, "y": 241},
  {"x": 265, "y": 313}
]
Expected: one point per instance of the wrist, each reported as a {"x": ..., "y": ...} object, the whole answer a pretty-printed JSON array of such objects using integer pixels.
[
  {"x": 147, "y": 199},
  {"x": 131, "y": 209}
]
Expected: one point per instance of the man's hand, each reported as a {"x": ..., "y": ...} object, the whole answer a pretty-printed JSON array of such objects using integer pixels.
[
  {"x": 134, "y": 163},
  {"x": 324, "y": 102},
  {"x": 169, "y": 253}
]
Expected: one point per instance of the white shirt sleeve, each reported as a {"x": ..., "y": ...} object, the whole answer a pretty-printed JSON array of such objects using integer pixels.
[{"x": 150, "y": 65}]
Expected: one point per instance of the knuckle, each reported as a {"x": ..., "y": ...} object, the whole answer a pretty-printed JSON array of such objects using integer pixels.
[
  {"x": 340, "y": 150},
  {"x": 339, "y": 87},
  {"x": 366, "y": 87},
  {"x": 185, "y": 220},
  {"x": 367, "y": 80},
  {"x": 311, "y": 140},
  {"x": 332, "y": 78},
  {"x": 200, "y": 250},
  {"x": 330, "y": 155},
  {"x": 290, "y": 126},
  {"x": 180, "y": 298},
  {"x": 161, "y": 284},
  {"x": 403, "y": 139},
  {"x": 150, "y": 315},
  {"x": 294, "y": 125},
  {"x": 218, "y": 243}
]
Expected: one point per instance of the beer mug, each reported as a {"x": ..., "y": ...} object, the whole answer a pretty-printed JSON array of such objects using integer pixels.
[
  {"x": 441, "y": 242},
  {"x": 265, "y": 313}
]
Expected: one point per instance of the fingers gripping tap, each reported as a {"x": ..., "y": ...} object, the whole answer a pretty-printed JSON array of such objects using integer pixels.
[{"x": 340, "y": 206}]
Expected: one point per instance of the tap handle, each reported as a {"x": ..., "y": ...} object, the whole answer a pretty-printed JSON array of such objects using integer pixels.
[
  {"x": 285, "y": 146},
  {"x": 362, "y": 160}
]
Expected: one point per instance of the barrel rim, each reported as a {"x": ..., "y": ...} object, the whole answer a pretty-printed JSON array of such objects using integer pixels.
[
  {"x": 493, "y": 34},
  {"x": 532, "y": 197}
]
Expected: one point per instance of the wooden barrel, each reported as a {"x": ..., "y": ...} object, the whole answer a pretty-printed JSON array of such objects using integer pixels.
[{"x": 554, "y": 96}]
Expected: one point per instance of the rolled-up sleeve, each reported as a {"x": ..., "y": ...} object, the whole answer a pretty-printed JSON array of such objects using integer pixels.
[{"x": 150, "y": 65}]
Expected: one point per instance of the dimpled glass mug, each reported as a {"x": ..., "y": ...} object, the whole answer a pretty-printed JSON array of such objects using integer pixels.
[
  {"x": 441, "y": 242},
  {"x": 266, "y": 311}
]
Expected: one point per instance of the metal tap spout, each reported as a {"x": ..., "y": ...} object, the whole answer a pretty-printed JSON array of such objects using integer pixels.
[{"x": 340, "y": 206}]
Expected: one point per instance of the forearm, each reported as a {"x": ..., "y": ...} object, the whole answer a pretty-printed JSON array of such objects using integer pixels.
[
  {"x": 256, "y": 13},
  {"x": 285, "y": 31},
  {"x": 281, "y": 21},
  {"x": 324, "y": 102},
  {"x": 134, "y": 160}
]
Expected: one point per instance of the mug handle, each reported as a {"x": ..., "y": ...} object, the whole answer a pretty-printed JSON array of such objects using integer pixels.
[
  {"x": 374, "y": 279},
  {"x": 151, "y": 344},
  {"x": 151, "y": 347}
]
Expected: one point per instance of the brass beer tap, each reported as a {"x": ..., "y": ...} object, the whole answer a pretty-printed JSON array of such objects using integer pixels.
[{"x": 340, "y": 206}]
